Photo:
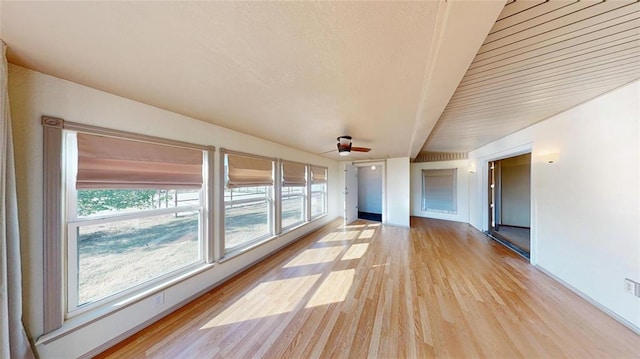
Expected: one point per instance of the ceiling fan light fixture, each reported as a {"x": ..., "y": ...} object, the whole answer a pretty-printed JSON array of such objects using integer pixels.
[{"x": 344, "y": 145}]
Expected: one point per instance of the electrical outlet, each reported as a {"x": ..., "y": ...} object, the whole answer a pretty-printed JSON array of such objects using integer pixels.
[
  {"x": 632, "y": 287},
  {"x": 629, "y": 287},
  {"x": 158, "y": 299}
]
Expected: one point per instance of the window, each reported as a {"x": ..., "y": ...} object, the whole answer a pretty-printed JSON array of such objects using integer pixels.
[
  {"x": 439, "y": 190},
  {"x": 318, "y": 191},
  {"x": 248, "y": 199},
  {"x": 134, "y": 215},
  {"x": 294, "y": 193},
  {"x": 126, "y": 214}
]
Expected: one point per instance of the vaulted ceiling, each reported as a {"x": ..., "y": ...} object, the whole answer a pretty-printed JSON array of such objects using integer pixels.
[
  {"x": 303, "y": 73},
  {"x": 540, "y": 58}
]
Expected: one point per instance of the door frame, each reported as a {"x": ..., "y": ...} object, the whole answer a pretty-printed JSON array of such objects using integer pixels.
[
  {"x": 350, "y": 213},
  {"x": 382, "y": 166},
  {"x": 485, "y": 163}
]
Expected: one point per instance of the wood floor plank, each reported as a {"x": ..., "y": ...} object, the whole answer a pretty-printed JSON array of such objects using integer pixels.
[{"x": 439, "y": 289}]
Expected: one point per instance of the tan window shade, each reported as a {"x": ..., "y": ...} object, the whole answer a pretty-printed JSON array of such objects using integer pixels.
[
  {"x": 293, "y": 174},
  {"x": 318, "y": 174},
  {"x": 439, "y": 189},
  {"x": 249, "y": 171},
  {"x": 108, "y": 162}
]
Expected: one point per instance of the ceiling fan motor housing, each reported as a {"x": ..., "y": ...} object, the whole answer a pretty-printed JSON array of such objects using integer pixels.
[{"x": 344, "y": 145}]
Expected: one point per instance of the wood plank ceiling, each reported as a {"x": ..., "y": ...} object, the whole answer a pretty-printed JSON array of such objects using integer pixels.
[{"x": 540, "y": 58}]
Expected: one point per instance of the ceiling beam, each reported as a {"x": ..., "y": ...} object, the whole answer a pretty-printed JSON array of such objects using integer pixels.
[{"x": 461, "y": 28}]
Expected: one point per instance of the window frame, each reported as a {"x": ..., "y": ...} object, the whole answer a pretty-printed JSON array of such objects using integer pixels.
[
  {"x": 325, "y": 192},
  {"x": 55, "y": 227},
  {"x": 58, "y": 306},
  {"x": 304, "y": 196},
  {"x": 270, "y": 198}
]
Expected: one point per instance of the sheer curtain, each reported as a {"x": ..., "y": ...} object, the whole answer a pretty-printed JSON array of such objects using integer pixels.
[{"x": 13, "y": 338}]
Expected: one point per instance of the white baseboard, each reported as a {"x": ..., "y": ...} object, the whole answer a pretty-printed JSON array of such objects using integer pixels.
[
  {"x": 591, "y": 301},
  {"x": 396, "y": 225}
]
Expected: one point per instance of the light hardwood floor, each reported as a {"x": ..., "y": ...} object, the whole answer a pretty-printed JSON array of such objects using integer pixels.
[{"x": 439, "y": 289}]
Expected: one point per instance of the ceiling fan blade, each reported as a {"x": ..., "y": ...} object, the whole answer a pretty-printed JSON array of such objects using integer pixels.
[{"x": 360, "y": 149}]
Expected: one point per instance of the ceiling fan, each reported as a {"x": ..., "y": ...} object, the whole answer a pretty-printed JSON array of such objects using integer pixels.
[{"x": 345, "y": 146}]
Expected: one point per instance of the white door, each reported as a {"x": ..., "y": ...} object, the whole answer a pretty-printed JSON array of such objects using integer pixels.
[{"x": 350, "y": 193}]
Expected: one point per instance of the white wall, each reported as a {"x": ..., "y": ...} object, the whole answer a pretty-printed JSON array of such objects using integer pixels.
[
  {"x": 462, "y": 190},
  {"x": 370, "y": 189},
  {"x": 32, "y": 95},
  {"x": 585, "y": 208},
  {"x": 398, "y": 191}
]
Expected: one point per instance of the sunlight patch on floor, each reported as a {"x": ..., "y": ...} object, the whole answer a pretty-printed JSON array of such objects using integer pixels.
[
  {"x": 356, "y": 251},
  {"x": 367, "y": 233},
  {"x": 315, "y": 256},
  {"x": 352, "y": 226},
  {"x": 334, "y": 289},
  {"x": 266, "y": 299},
  {"x": 339, "y": 236}
]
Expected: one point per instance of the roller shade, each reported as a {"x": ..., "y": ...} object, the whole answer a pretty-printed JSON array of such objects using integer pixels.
[
  {"x": 318, "y": 174},
  {"x": 439, "y": 191},
  {"x": 109, "y": 162},
  {"x": 293, "y": 174},
  {"x": 248, "y": 171}
]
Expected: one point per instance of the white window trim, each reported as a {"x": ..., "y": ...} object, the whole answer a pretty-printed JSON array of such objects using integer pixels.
[
  {"x": 311, "y": 192},
  {"x": 270, "y": 217},
  {"x": 325, "y": 209},
  {"x": 273, "y": 206},
  {"x": 306, "y": 217},
  {"x": 56, "y": 308},
  {"x": 56, "y": 322}
]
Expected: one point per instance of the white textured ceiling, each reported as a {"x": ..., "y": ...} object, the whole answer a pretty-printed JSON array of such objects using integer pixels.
[
  {"x": 296, "y": 73},
  {"x": 540, "y": 58}
]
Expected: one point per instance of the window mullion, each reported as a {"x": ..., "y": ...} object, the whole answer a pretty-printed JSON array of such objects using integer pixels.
[
  {"x": 72, "y": 266},
  {"x": 277, "y": 185},
  {"x": 72, "y": 262},
  {"x": 207, "y": 196},
  {"x": 135, "y": 215},
  {"x": 273, "y": 207},
  {"x": 308, "y": 194},
  {"x": 247, "y": 201}
]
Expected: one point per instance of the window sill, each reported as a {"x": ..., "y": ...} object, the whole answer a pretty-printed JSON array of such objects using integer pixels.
[
  {"x": 80, "y": 321},
  {"x": 293, "y": 227},
  {"x": 259, "y": 242},
  {"x": 246, "y": 248},
  {"x": 318, "y": 217}
]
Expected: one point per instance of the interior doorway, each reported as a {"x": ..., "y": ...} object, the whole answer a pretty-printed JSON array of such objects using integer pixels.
[
  {"x": 364, "y": 191},
  {"x": 510, "y": 202},
  {"x": 370, "y": 193},
  {"x": 350, "y": 193}
]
